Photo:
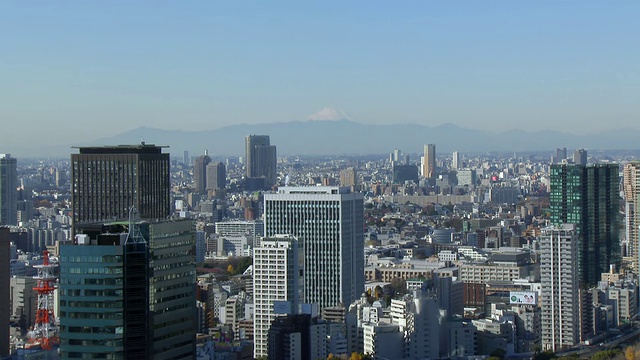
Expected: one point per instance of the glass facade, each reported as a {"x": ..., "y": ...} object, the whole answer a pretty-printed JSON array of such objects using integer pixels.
[
  {"x": 91, "y": 302},
  {"x": 588, "y": 196},
  {"x": 123, "y": 299}
]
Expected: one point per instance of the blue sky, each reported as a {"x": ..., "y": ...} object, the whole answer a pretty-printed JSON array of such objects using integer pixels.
[{"x": 89, "y": 69}]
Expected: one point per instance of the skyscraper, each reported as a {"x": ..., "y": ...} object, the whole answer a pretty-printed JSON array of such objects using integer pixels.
[
  {"x": 8, "y": 190},
  {"x": 580, "y": 157},
  {"x": 561, "y": 155},
  {"x": 5, "y": 271},
  {"x": 329, "y": 222},
  {"x": 261, "y": 158},
  {"x": 348, "y": 177},
  {"x": 216, "y": 176},
  {"x": 560, "y": 287},
  {"x": 127, "y": 291},
  {"x": 107, "y": 181},
  {"x": 200, "y": 172},
  {"x": 275, "y": 279},
  {"x": 588, "y": 196},
  {"x": 429, "y": 161},
  {"x": 631, "y": 189},
  {"x": 455, "y": 161}
]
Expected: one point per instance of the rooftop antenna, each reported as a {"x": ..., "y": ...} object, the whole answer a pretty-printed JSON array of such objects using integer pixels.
[{"x": 134, "y": 236}]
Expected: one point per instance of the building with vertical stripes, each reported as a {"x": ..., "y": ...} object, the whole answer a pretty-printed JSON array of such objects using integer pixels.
[
  {"x": 560, "y": 288},
  {"x": 107, "y": 181},
  {"x": 329, "y": 223}
]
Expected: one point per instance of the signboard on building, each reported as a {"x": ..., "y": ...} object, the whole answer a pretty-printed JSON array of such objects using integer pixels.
[
  {"x": 282, "y": 307},
  {"x": 523, "y": 297}
]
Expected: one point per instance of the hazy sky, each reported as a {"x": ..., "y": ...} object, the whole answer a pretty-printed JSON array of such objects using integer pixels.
[{"x": 89, "y": 69}]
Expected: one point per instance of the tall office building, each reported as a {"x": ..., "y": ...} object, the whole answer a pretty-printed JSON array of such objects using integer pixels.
[
  {"x": 429, "y": 161},
  {"x": 8, "y": 190},
  {"x": 580, "y": 157},
  {"x": 275, "y": 279},
  {"x": 200, "y": 172},
  {"x": 631, "y": 190},
  {"x": 561, "y": 155},
  {"x": 560, "y": 287},
  {"x": 261, "y": 158},
  {"x": 107, "y": 181},
  {"x": 216, "y": 176},
  {"x": 5, "y": 271},
  {"x": 127, "y": 291},
  {"x": 455, "y": 161},
  {"x": 588, "y": 196},
  {"x": 329, "y": 222},
  {"x": 348, "y": 177}
]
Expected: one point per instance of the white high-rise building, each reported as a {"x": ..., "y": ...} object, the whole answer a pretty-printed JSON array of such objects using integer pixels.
[
  {"x": 631, "y": 189},
  {"x": 560, "y": 291},
  {"x": 329, "y": 222},
  {"x": 455, "y": 161},
  {"x": 275, "y": 279}
]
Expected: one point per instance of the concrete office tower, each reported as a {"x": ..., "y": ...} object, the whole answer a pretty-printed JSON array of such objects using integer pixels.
[
  {"x": 8, "y": 190},
  {"x": 275, "y": 279},
  {"x": 261, "y": 158},
  {"x": 329, "y": 223},
  {"x": 631, "y": 190},
  {"x": 348, "y": 177},
  {"x": 200, "y": 172},
  {"x": 23, "y": 300},
  {"x": 5, "y": 271},
  {"x": 429, "y": 162},
  {"x": 580, "y": 157},
  {"x": 395, "y": 156},
  {"x": 216, "y": 176},
  {"x": 455, "y": 161},
  {"x": 560, "y": 287},
  {"x": 185, "y": 158},
  {"x": 127, "y": 291},
  {"x": 561, "y": 155},
  {"x": 107, "y": 181},
  {"x": 588, "y": 196}
]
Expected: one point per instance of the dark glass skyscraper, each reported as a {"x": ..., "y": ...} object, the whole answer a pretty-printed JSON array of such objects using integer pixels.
[
  {"x": 8, "y": 192},
  {"x": 261, "y": 158},
  {"x": 216, "y": 176},
  {"x": 200, "y": 172},
  {"x": 127, "y": 292},
  {"x": 107, "y": 181},
  {"x": 588, "y": 196}
]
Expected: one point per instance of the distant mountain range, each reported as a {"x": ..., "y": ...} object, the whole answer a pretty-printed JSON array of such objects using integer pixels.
[{"x": 348, "y": 137}]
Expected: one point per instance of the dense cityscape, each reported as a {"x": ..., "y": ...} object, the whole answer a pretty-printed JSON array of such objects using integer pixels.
[
  {"x": 129, "y": 251},
  {"x": 287, "y": 180}
]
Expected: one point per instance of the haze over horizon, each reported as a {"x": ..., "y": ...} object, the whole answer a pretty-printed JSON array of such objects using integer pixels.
[{"x": 84, "y": 70}]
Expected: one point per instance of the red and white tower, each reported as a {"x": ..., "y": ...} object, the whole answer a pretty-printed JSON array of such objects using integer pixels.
[{"x": 45, "y": 332}]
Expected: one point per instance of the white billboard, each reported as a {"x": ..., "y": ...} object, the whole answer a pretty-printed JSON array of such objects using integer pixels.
[{"x": 523, "y": 297}]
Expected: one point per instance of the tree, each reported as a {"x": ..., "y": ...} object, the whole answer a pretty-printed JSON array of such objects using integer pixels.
[
  {"x": 230, "y": 269},
  {"x": 545, "y": 355},
  {"x": 498, "y": 353},
  {"x": 630, "y": 353}
]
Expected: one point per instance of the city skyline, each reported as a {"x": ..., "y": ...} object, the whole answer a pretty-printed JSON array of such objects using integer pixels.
[{"x": 205, "y": 66}]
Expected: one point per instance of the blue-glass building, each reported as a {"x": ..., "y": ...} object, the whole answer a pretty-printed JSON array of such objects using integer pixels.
[{"x": 128, "y": 292}]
